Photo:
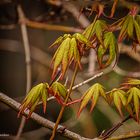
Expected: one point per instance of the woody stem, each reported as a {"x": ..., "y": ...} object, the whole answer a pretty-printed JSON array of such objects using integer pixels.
[{"x": 65, "y": 102}]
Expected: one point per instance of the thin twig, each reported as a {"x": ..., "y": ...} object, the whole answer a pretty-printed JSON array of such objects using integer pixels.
[
  {"x": 87, "y": 81},
  {"x": 132, "y": 134},
  {"x": 27, "y": 61},
  {"x": 109, "y": 132},
  {"x": 65, "y": 102},
  {"x": 39, "y": 25}
]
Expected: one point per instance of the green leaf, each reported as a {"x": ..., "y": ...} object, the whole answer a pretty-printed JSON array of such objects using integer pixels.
[
  {"x": 81, "y": 38},
  {"x": 92, "y": 93},
  {"x": 36, "y": 94},
  {"x": 138, "y": 19},
  {"x": 136, "y": 105},
  {"x": 130, "y": 27},
  {"x": 94, "y": 100},
  {"x": 88, "y": 32},
  {"x": 119, "y": 99},
  {"x": 134, "y": 97},
  {"x": 100, "y": 25},
  {"x": 85, "y": 99},
  {"x": 73, "y": 44},
  {"x": 58, "y": 56},
  {"x": 59, "y": 89},
  {"x": 33, "y": 108},
  {"x": 100, "y": 53},
  {"x": 44, "y": 98},
  {"x": 65, "y": 60},
  {"x": 132, "y": 81},
  {"x": 96, "y": 28},
  {"x": 137, "y": 29},
  {"x": 117, "y": 103},
  {"x": 124, "y": 28},
  {"x": 110, "y": 43}
]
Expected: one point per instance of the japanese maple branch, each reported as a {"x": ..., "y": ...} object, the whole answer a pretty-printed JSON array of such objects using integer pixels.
[
  {"x": 66, "y": 133},
  {"x": 27, "y": 61},
  {"x": 109, "y": 132},
  {"x": 39, "y": 119}
]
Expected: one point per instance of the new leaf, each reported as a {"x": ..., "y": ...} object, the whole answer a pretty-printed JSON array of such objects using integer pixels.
[{"x": 92, "y": 94}]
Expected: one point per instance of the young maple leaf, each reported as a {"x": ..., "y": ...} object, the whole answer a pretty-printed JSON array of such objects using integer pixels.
[
  {"x": 58, "y": 90},
  {"x": 119, "y": 99},
  {"x": 92, "y": 94},
  {"x": 130, "y": 27},
  {"x": 96, "y": 30},
  {"x": 70, "y": 48},
  {"x": 36, "y": 94},
  {"x": 109, "y": 44},
  {"x": 132, "y": 82},
  {"x": 134, "y": 98}
]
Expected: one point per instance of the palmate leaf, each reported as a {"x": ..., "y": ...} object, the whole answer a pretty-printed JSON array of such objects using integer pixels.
[
  {"x": 124, "y": 27},
  {"x": 110, "y": 43},
  {"x": 132, "y": 82},
  {"x": 92, "y": 94},
  {"x": 36, "y": 94},
  {"x": 134, "y": 98},
  {"x": 59, "y": 56},
  {"x": 119, "y": 99},
  {"x": 130, "y": 27},
  {"x": 59, "y": 90},
  {"x": 96, "y": 29}
]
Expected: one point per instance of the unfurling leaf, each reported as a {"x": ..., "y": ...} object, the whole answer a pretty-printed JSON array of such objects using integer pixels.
[
  {"x": 132, "y": 82},
  {"x": 134, "y": 98},
  {"x": 92, "y": 94},
  {"x": 36, "y": 94},
  {"x": 59, "y": 90},
  {"x": 96, "y": 29},
  {"x": 119, "y": 99},
  {"x": 109, "y": 44}
]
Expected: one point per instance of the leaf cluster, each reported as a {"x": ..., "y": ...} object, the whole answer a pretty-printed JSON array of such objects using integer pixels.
[
  {"x": 40, "y": 93},
  {"x": 70, "y": 48},
  {"x": 130, "y": 28},
  {"x": 126, "y": 97}
]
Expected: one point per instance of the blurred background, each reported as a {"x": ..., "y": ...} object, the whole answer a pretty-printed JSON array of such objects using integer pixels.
[{"x": 70, "y": 16}]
